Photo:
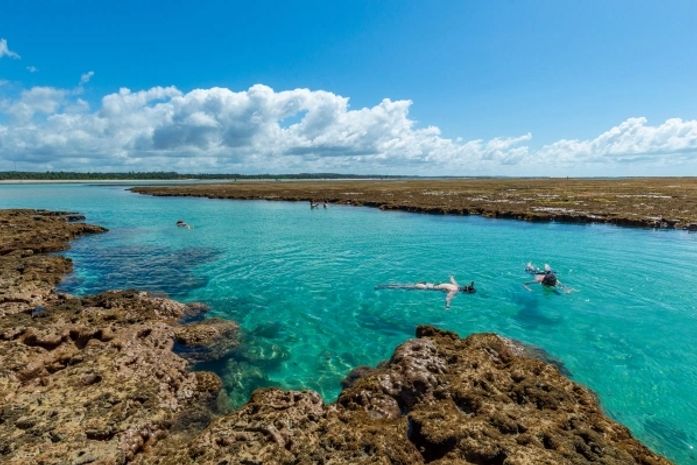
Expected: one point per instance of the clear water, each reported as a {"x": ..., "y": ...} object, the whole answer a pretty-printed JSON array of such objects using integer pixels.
[{"x": 302, "y": 285}]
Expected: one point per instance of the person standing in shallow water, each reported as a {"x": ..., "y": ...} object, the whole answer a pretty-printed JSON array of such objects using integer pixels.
[{"x": 452, "y": 288}]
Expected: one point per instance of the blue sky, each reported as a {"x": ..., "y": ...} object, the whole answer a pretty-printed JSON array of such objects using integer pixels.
[{"x": 543, "y": 71}]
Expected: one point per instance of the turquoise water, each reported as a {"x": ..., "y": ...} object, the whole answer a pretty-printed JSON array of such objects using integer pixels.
[{"x": 302, "y": 285}]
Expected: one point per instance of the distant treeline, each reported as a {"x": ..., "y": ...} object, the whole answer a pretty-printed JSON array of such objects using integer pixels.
[{"x": 168, "y": 175}]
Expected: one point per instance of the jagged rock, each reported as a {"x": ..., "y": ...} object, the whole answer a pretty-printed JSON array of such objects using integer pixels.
[{"x": 86, "y": 380}]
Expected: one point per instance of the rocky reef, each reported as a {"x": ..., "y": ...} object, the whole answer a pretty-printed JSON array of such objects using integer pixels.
[
  {"x": 96, "y": 380},
  {"x": 439, "y": 399},
  {"x": 91, "y": 380},
  {"x": 638, "y": 202}
]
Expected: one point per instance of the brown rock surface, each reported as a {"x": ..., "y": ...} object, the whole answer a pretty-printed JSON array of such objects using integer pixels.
[
  {"x": 440, "y": 399},
  {"x": 208, "y": 340},
  {"x": 88, "y": 380},
  {"x": 644, "y": 202},
  {"x": 95, "y": 380},
  {"x": 27, "y": 274}
]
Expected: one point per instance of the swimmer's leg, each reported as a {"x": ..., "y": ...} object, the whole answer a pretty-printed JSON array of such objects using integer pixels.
[
  {"x": 419, "y": 286},
  {"x": 396, "y": 286}
]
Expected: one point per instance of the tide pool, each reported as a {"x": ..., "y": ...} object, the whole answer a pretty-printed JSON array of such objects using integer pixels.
[{"x": 302, "y": 284}]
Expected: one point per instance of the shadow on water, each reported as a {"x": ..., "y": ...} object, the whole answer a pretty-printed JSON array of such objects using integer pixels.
[
  {"x": 530, "y": 314},
  {"x": 247, "y": 367},
  {"x": 139, "y": 267}
]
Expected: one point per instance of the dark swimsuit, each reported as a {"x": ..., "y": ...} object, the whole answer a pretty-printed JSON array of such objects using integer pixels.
[{"x": 549, "y": 279}]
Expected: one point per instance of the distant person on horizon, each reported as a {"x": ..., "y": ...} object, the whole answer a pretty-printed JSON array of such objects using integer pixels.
[
  {"x": 313, "y": 204},
  {"x": 452, "y": 288}
]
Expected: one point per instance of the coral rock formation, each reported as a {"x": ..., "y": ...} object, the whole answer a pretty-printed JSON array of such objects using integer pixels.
[
  {"x": 88, "y": 380},
  {"x": 440, "y": 399}
]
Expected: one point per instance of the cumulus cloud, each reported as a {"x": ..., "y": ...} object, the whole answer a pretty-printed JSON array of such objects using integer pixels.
[
  {"x": 633, "y": 139},
  {"x": 262, "y": 130},
  {"x": 6, "y": 52},
  {"x": 32, "y": 69},
  {"x": 35, "y": 101}
]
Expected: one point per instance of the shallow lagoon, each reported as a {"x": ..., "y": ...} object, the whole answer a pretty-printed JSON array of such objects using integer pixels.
[{"x": 302, "y": 285}]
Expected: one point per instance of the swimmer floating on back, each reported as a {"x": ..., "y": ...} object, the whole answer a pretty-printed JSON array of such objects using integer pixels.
[{"x": 452, "y": 288}]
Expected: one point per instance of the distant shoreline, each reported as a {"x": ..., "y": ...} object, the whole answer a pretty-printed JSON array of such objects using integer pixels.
[
  {"x": 99, "y": 181},
  {"x": 193, "y": 180},
  {"x": 664, "y": 203},
  {"x": 158, "y": 176}
]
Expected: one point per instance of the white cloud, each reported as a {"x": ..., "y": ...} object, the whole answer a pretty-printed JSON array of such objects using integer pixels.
[
  {"x": 35, "y": 101},
  {"x": 32, "y": 69},
  {"x": 261, "y": 130},
  {"x": 86, "y": 77},
  {"x": 630, "y": 140},
  {"x": 6, "y": 52}
]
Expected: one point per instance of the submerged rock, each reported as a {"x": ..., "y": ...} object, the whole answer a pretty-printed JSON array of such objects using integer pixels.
[
  {"x": 241, "y": 378},
  {"x": 207, "y": 340}
]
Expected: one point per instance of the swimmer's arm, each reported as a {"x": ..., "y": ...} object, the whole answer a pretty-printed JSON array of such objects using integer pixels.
[
  {"x": 449, "y": 298},
  {"x": 452, "y": 280},
  {"x": 526, "y": 285}
]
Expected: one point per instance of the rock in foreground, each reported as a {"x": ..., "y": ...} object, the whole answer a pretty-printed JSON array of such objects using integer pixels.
[
  {"x": 94, "y": 379},
  {"x": 440, "y": 399}
]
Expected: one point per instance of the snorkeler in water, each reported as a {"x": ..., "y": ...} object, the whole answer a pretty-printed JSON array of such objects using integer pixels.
[
  {"x": 545, "y": 276},
  {"x": 452, "y": 288},
  {"x": 183, "y": 224}
]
